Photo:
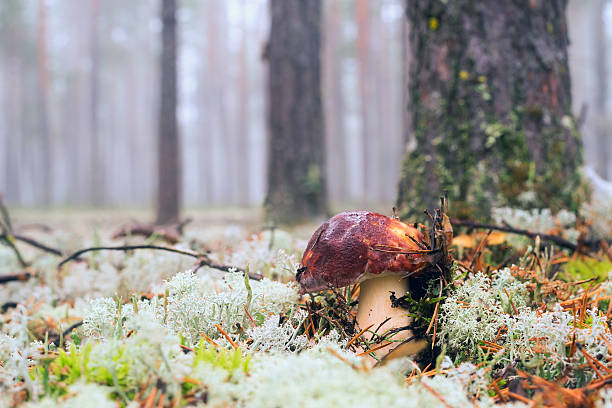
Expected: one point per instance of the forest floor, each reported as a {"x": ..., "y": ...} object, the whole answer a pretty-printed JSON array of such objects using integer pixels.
[{"x": 523, "y": 322}]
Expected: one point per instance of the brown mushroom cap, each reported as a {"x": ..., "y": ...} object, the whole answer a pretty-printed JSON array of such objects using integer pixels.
[{"x": 354, "y": 246}]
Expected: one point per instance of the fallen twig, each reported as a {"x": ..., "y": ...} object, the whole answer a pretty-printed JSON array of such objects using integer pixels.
[
  {"x": 21, "y": 276},
  {"x": 6, "y": 219},
  {"x": 34, "y": 243},
  {"x": 203, "y": 259},
  {"x": 545, "y": 237},
  {"x": 9, "y": 239},
  {"x": 8, "y": 305},
  {"x": 170, "y": 233},
  {"x": 6, "y": 230}
]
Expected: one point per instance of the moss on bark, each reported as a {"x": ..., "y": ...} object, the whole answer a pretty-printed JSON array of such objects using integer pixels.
[{"x": 490, "y": 108}]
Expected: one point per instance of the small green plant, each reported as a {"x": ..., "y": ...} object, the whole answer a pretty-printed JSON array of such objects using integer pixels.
[
  {"x": 56, "y": 374},
  {"x": 586, "y": 268},
  {"x": 231, "y": 361}
]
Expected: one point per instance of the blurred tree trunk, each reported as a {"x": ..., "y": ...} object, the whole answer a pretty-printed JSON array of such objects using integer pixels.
[
  {"x": 490, "y": 107},
  {"x": 169, "y": 166},
  {"x": 243, "y": 116},
  {"x": 601, "y": 93},
  {"x": 333, "y": 101},
  {"x": 366, "y": 79},
  {"x": 97, "y": 178},
  {"x": 12, "y": 40},
  {"x": 296, "y": 162},
  {"x": 43, "y": 107}
]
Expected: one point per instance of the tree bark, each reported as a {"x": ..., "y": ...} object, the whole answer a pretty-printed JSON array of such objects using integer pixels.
[
  {"x": 490, "y": 107},
  {"x": 296, "y": 161},
  {"x": 169, "y": 181}
]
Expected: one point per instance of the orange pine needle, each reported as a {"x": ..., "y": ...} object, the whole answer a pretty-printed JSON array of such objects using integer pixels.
[
  {"x": 142, "y": 390},
  {"x": 588, "y": 360},
  {"x": 191, "y": 381},
  {"x": 499, "y": 333},
  {"x": 583, "y": 307},
  {"x": 151, "y": 398},
  {"x": 498, "y": 390},
  {"x": 573, "y": 346},
  {"x": 224, "y": 333},
  {"x": 341, "y": 358},
  {"x": 306, "y": 328},
  {"x": 249, "y": 315},
  {"x": 601, "y": 336},
  {"x": 433, "y": 318},
  {"x": 492, "y": 345},
  {"x": 357, "y": 336},
  {"x": 211, "y": 341},
  {"x": 511, "y": 302},
  {"x": 433, "y": 341},
  {"x": 374, "y": 349},
  {"x": 356, "y": 291},
  {"x": 519, "y": 397},
  {"x": 435, "y": 394},
  {"x": 162, "y": 399},
  {"x": 492, "y": 349},
  {"x": 185, "y": 348},
  {"x": 594, "y": 360}
]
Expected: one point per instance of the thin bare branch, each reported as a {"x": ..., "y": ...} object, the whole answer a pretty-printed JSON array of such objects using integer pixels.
[{"x": 203, "y": 259}]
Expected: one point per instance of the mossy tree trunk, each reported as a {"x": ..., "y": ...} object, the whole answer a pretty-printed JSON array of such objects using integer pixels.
[
  {"x": 296, "y": 172},
  {"x": 490, "y": 107}
]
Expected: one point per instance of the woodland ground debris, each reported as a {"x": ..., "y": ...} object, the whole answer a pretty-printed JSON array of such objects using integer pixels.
[{"x": 158, "y": 332}]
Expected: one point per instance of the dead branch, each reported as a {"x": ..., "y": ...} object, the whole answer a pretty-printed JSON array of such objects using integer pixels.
[
  {"x": 6, "y": 229},
  {"x": 9, "y": 237},
  {"x": 20, "y": 276},
  {"x": 6, "y": 219},
  {"x": 170, "y": 233},
  {"x": 203, "y": 259},
  {"x": 8, "y": 305},
  {"x": 32, "y": 242},
  {"x": 10, "y": 241},
  {"x": 544, "y": 237}
]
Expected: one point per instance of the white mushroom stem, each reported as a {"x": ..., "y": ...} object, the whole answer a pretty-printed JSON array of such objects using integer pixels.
[{"x": 375, "y": 307}]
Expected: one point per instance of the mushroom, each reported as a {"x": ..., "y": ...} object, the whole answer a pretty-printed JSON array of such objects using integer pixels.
[{"x": 376, "y": 251}]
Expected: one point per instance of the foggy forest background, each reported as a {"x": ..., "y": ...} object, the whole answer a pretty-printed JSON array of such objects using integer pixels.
[{"x": 79, "y": 94}]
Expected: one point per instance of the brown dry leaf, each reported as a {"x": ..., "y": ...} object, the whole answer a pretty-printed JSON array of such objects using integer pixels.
[
  {"x": 465, "y": 241},
  {"x": 496, "y": 238},
  {"x": 469, "y": 241}
]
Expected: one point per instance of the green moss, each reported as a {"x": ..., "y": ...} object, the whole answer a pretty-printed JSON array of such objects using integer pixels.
[
  {"x": 497, "y": 171},
  {"x": 586, "y": 268},
  {"x": 231, "y": 361},
  {"x": 69, "y": 366}
]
